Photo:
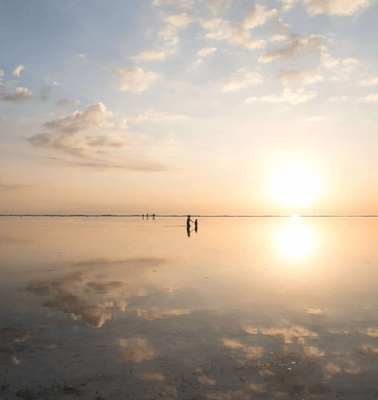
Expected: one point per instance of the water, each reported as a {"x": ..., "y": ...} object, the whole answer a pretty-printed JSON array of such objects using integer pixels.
[{"x": 116, "y": 308}]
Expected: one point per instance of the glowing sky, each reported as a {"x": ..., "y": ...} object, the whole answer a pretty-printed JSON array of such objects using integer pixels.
[{"x": 189, "y": 106}]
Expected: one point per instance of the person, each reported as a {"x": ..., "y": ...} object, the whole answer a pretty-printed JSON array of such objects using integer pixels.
[
  {"x": 196, "y": 225},
  {"x": 153, "y": 216},
  {"x": 188, "y": 221}
]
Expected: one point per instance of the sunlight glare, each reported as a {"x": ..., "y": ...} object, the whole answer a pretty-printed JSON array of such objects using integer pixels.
[
  {"x": 295, "y": 240},
  {"x": 295, "y": 184}
]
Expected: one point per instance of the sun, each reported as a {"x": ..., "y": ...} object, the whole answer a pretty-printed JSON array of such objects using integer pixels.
[{"x": 295, "y": 184}]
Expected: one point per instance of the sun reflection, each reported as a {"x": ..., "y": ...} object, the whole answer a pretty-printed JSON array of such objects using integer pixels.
[{"x": 295, "y": 239}]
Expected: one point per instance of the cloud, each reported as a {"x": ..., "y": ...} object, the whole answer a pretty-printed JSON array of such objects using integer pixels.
[
  {"x": 327, "y": 61},
  {"x": 295, "y": 46},
  {"x": 21, "y": 94},
  {"x": 150, "y": 56},
  {"x": 184, "y": 4},
  {"x": 224, "y": 31},
  {"x": 287, "y": 5},
  {"x": 106, "y": 141},
  {"x": 206, "y": 51},
  {"x": 369, "y": 82},
  {"x": 1, "y": 75},
  {"x": 217, "y": 6},
  {"x": 371, "y": 97},
  {"x": 239, "y": 32},
  {"x": 306, "y": 76},
  {"x": 81, "y": 56},
  {"x": 129, "y": 164},
  {"x": 349, "y": 62},
  {"x": 179, "y": 20},
  {"x": 135, "y": 79},
  {"x": 156, "y": 116},
  {"x": 63, "y": 130},
  {"x": 258, "y": 15},
  {"x": 17, "y": 70},
  {"x": 240, "y": 80},
  {"x": 335, "y": 7},
  {"x": 67, "y": 103},
  {"x": 46, "y": 90},
  {"x": 290, "y": 96},
  {"x": 80, "y": 120}
]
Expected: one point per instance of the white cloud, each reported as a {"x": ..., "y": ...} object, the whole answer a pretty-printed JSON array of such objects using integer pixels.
[
  {"x": 287, "y": 5},
  {"x": 135, "y": 79},
  {"x": 295, "y": 46},
  {"x": 184, "y": 4},
  {"x": 335, "y": 7},
  {"x": 17, "y": 70},
  {"x": 258, "y": 15},
  {"x": 306, "y": 76},
  {"x": 80, "y": 120},
  {"x": 224, "y": 31},
  {"x": 349, "y": 62},
  {"x": 81, "y": 56},
  {"x": 251, "y": 100},
  {"x": 1, "y": 75},
  {"x": 206, "y": 51},
  {"x": 218, "y": 6},
  {"x": 371, "y": 97},
  {"x": 240, "y": 80},
  {"x": 150, "y": 56},
  {"x": 290, "y": 96},
  {"x": 20, "y": 94},
  {"x": 339, "y": 98},
  {"x": 239, "y": 32},
  {"x": 155, "y": 116},
  {"x": 327, "y": 61},
  {"x": 179, "y": 20},
  {"x": 169, "y": 36},
  {"x": 369, "y": 82}
]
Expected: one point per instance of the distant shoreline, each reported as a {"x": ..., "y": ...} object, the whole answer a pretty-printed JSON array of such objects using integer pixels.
[{"x": 193, "y": 215}]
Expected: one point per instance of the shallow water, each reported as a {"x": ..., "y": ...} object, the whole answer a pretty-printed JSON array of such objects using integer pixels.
[{"x": 115, "y": 308}]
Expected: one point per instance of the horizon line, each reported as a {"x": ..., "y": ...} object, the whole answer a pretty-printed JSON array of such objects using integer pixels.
[{"x": 53, "y": 215}]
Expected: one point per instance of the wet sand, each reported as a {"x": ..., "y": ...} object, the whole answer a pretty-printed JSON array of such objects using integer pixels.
[{"x": 116, "y": 309}]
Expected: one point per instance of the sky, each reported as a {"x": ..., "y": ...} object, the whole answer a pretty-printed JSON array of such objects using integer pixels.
[{"x": 189, "y": 106}]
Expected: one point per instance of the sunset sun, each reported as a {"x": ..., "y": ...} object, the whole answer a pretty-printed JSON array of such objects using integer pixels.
[{"x": 295, "y": 184}]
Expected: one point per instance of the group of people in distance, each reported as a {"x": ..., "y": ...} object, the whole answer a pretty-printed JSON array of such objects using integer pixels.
[
  {"x": 153, "y": 216},
  {"x": 188, "y": 221}
]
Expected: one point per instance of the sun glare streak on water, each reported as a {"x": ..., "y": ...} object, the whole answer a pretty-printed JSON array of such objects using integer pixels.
[{"x": 295, "y": 239}]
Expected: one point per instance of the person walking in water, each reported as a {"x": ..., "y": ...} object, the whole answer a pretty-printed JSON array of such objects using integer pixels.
[
  {"x": 196, "y": 225},
  {"x": 188, "y": 221}
]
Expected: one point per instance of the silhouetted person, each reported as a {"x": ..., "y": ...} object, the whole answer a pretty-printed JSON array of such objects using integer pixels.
[
  {"x": 153, "y": 216},
  {"x": 147, "y": 216},
  {"x": 142, "y": 216},
  {"x": 188, "y": 221},
  {"x": 196, "y": 225}
]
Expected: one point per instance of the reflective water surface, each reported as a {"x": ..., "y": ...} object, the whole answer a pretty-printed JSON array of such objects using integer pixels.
[{"x": 244, "y": 308}]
